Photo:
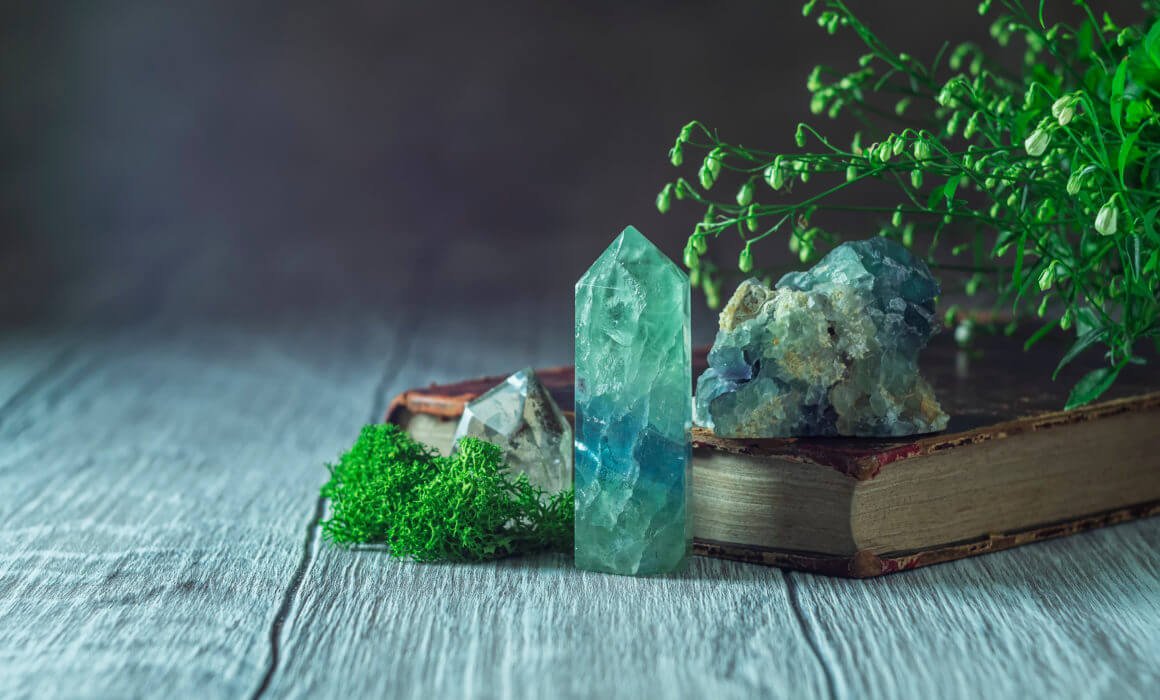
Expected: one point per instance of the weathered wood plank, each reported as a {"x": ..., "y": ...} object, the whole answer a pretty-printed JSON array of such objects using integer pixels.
[
  {"x": 368, "y": 625},
  {"x": 158, "y": 484},
  {"x": 1076, "y": 617},
  {"x": 156, "y": 488}
]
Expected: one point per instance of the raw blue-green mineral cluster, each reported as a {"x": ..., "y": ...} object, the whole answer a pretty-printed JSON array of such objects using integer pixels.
[
  {"x": 830, "y": 351},
  {"x": 633, "y": 411}
]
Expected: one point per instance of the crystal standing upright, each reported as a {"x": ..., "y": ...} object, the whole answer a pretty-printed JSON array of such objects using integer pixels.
[{"x": 633, "y": 411}]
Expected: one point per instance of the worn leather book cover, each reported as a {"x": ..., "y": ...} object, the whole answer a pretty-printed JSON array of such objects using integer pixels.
[{"x": 1011, "y": 468}]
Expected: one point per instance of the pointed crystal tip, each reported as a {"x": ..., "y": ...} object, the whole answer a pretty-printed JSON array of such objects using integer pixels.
[{"x": 521, "y": 417}]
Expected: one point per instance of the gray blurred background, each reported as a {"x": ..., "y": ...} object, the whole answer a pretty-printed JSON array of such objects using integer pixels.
[{"x": 234, "y": 159}]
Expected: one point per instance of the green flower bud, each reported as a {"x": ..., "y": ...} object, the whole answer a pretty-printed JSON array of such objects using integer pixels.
[
  {"x": 695, "y": 277},
  {"x": 1106, "y": 218},
  {"x": 700, "y": 244},
  {"x": 682, "y": 190},
  {"x": 898, "y": 147},
  {"x": 1047, "y": 277},
  {"x": 1012, "y": 199},
  {"x": 972, "y": 126},
  {"x": 994, "y": 211},
  {"x": 896, "y": 219},
  {"x": 866, "y": 59},
  {"x": 774, "y": 176},
  {"x": 984, "y": 6},
  {"x": 817, "y": 103},
  {"x": 692, "y": 260},
  {"x": 705, "y": 175},
  {"x": 711, "y": 288},
  {"x": 1042, "y": 307},
  {"x": 901, "y": 105},
  {"x": 953, "y": 124},
  {"x": 713, "y": 161},
  {"x": 751, "y": 221},
  {"x": 664, "y": 199},
  {"x": 745, "y": 261},
  {"x": 971, "y": 287},
  {"x": 675, "y": 156},
  {"x": 1065, "y": 320},
  {"x": 745, "y": 194},
  {"x": 804, "y": 176},
  {"x": 814, "y": 81},
  {"x": 1075, "y": 182},
  {"x": 686, "y": 132},
  {"x": 908, "y": 235},
  {"x": 1063, "y": 109},
  {"x": 851, "y": 173},
  {"x": 1037, "y": 142},
  {"x": 916, "y": 178},
  {"x": 921, "y": 149},
  {"x": 808, "y": 8},
  {"x": 799, "y": 136}
]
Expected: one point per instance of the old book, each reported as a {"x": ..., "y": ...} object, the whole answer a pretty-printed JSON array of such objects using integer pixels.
[{"x": 1012, "y": 468}]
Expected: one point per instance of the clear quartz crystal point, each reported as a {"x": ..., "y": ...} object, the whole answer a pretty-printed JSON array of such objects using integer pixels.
[
  {"x": 521, "y": 417},
  {"x": 633, "y": 411}
]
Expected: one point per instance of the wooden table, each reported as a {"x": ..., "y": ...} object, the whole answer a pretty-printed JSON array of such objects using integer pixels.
[{"x": 160, "y": 507}]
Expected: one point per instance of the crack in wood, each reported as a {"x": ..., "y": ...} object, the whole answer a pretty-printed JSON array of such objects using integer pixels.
[
  {"x": 290, "y": 594},
  {"x": 378, "y": 406},
  {"x": 808, "y": 633}
]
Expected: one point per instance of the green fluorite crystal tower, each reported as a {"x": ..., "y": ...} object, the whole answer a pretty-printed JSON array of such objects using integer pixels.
[{"x": 633, "y": 411}]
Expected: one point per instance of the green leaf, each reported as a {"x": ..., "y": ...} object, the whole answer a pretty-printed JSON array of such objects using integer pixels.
[
  {"x": 1153, "y": 263},
  {"x": 1145, "y": 58},
  {"x": 1085, "y": 320},
  {"x": 1117, "y": 96},
  {"x": 1091, "y": 386},
  {"x": 1038, "y": 335},
  {"x": 948, "y": 191},
  {"x": 1081, "y": 343},
  {"x": 1125, "y": 152},
  {"x": 1150, "y": 223},
  {"x": 1017, "y": 272},
  {"x": 935, "y": 195}
]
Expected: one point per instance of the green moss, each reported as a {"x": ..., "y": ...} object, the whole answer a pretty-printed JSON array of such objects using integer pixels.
[{"x": 390, "y": 489}]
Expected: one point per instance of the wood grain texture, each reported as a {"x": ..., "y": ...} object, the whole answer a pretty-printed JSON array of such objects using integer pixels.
[
  {"x": 154, "y": 514},
  {"x": 160, "y": 483},
  {"x": 1071, "y": 618}
]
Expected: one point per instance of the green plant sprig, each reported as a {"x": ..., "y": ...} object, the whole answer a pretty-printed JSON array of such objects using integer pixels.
[
  {"x": 1054, "y": 172},
  {"x": 391, "y": 489}
]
